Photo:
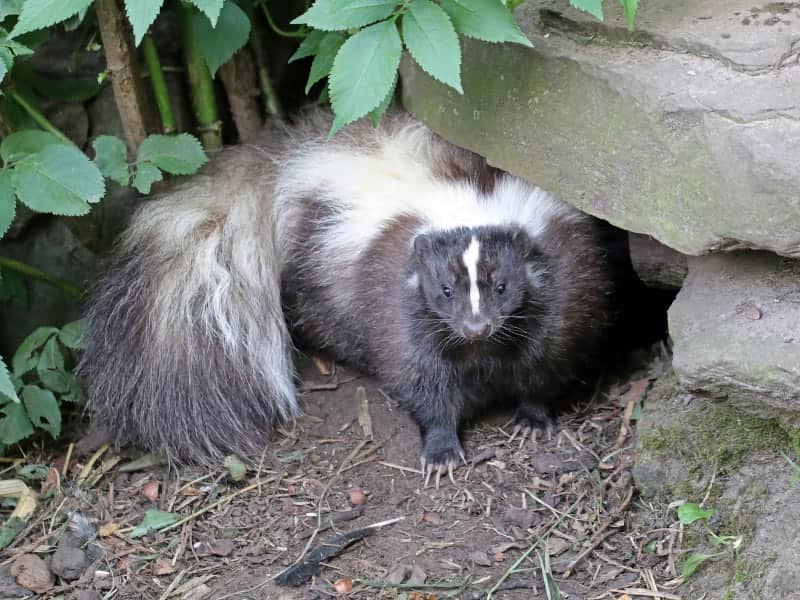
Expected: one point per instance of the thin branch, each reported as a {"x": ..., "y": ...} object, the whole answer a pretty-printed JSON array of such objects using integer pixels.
[
  {"x": 37, "y": 116},
  {"x": 159, "y": 84},
  {"x": 35, "y": 273}
]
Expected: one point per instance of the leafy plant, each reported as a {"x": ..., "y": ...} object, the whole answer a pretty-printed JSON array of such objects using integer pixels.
[
  {"x": 689, "y": 513},
  {"x": 41, "y": 379}
]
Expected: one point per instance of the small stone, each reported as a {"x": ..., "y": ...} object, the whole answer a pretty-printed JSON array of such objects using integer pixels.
[
  {"x": 32, "y": 573},
  {"x": 197, "y": 593},
  {"x": 87, "y": 595},
  {"x": 417, "y": 576},
  {"x": 481, "y": 559},
  {"x": 398, "y": 574},
  {"x": 69, "y": 560}
]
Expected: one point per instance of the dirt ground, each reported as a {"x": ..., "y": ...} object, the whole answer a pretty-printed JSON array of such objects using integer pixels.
[{"x": 547, "y": 518}]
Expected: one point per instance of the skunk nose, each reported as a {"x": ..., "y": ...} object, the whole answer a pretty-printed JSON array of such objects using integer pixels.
[{"x": 474, "y": 330}]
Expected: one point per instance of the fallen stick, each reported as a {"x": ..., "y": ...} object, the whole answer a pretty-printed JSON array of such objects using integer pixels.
[{"x": 311, "y": 563}]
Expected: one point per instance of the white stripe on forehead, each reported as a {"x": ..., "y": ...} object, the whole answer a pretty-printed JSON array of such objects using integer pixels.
[{"x": 470, "y": 257}]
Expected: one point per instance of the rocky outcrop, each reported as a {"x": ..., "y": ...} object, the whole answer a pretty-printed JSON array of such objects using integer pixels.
[
  {"x": 686, "y": 130},
  {"x": 735, "y": 327}
]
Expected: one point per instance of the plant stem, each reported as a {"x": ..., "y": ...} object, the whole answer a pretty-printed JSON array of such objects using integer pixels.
[
  {"x": 272, "y": 104},
  {"x": 129, "y": 93},
  {"x": 37, "y": 116},
  {"x": 159, "y": 84},
  {"x": 274, "y": 26},
  {"x": 201, "y": 86},
  {"x": 35, "y": 273}
]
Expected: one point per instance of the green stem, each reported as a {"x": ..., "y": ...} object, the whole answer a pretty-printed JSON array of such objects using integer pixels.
[
  {"x": 272, "y": 104},
  {"x": 37, "y": 116},
  {"x": 35, "y": 273},
  {"x": 201, "y": 86},
  {"x": 274, "y": 26},
  {"x": 159, "y": 84}
]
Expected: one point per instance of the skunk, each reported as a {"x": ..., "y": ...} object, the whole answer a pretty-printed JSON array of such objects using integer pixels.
[{"x": 456, "y": 285}]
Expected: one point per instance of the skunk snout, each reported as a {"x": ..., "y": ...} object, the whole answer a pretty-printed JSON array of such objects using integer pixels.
[{"x": 476, "y": 329}]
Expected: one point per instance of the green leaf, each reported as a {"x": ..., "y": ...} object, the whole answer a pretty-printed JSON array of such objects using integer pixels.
[
  {"x": 8, "y": 204},
  {"x": 43, "y": 409},
  {"x": 24, "y": 358},
  {"x": 6, "y": 385},
  {"x": 338, "y": 15},
  {"x": 111, "y": 157},
  {"x": 363, "y": 72},
  {"x": 309, "y": 45},
  {"x": 593, "y": 7},
  {"x": 26, "y": 142},
  {"x": 693, "y": 561},
  {"x": 211, "y": 9},
  {"x": 142, "y": 14},
  {"x": 323, "y": 61},
  {"x": 10, "y": 8},
  {"x": 16, "y": 425},
  {"x": 60, "y": 180},
  {"x": 177, "y": 154},
  {"x": 76, "y": 392},
  {"x": 432, "y": 41},
  {"x": 153, "y": 521},
  {"x": 629, "y": 8},
  {"x": 146, "y": 175},
  {"x": 71, "y": 334},
  {"x": 6, "y": 60},
  {"x": 486, "y": 20},
  {"x": 218, "y": 44},
  {"x": 50, "y": 368},
  {"x": 12, "y": 286},
  {"x": 690, "y": 512},
  {"x": 33, "y": 472},
  {"x": 38, "y": 14},
  {"x": 377, "y": 113},
  {"x": 236, "y": 467}
]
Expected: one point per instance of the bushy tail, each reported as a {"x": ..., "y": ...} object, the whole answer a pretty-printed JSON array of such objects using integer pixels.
[{"x": 188, "y": 350}]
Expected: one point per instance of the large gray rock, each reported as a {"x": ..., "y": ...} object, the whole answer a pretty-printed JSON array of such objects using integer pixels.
[
  {"x": 736, "y": 331},
  {"x": 686, "y": 130}
]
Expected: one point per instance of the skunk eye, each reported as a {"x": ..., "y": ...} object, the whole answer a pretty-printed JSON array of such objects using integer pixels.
[
  {"x": 500, "y": 288},
  {"x": 448, "y": 293}
]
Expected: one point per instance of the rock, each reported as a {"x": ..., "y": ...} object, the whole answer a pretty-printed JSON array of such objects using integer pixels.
[
  {"x": 69, "y": 560},
  {"x": 32, "y": 573},
  {"x": 657, "y": 265},
  {"x": 735, "y": 331},
  {"x": 9, "y": 587},
  {"x": 87, "y": 595},
  {"x": 685, "y": 130},
  {"x": 398, "y": 574}
]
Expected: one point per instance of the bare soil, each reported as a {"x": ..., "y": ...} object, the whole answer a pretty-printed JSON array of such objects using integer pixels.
[{"x": 522, "y": 515}]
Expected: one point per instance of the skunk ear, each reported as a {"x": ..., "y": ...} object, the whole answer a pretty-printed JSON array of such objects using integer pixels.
[
  {"x": 422, "y": 245},
  {"x": 521, "y": 242}
]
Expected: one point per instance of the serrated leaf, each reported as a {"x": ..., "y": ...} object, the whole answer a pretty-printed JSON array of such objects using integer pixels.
[
  {"x": 218, "y": 44},
  {"x": 692, "y": 562},
  {"x": 71, "y": 334},
  {"x": 50, "y": 368},
  {"x": 33, "y": 472},
  {"x": 10, "y": 8},
  {"x": 629, "y": 8},
  {"x": 146, "y": 175},
  {"x": 180, "y": 154},
  {"x": 8, "y": 203},
  {"x": 43, "y": 409},
  {"x": 593, "y": 7},
  {"x": 323, "y": 61},
  {"x": 76, "y": 392},
  {"x": 432, "y": 41},
  {"x": 363, "y": 72},
  {"x": 111, "y": 157},
  {"x": 6, "y": 385},
  {"x": 690, "y": 512},
  {"x": 210, "y": 8},
  {"x": 60, "y": 180},
  {"x": 153, "y": 521},
  {"x": 6, "y": 60},
  {"x": 142, "y": 14},
  {"x": 377, "y": 113},
  {"x": 486, "y": 20},
  {"x": 338, "y": 15},
  {"x": 15, "y": 425},
  {"x": 38, "y": 14},
  {"x": 25, "y": 358},
  {"x": 23, "y": 143},
  {"x": 309, "y": 45}
]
